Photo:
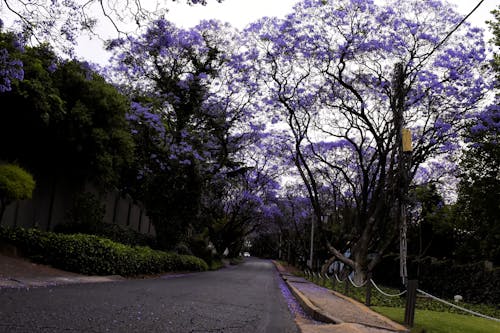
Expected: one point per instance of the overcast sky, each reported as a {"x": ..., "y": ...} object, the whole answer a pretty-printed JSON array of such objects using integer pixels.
[{"x": 242, "y": 12}]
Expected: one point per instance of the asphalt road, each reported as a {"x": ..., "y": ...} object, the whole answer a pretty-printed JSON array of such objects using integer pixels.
[{"x": 243, "y": 298}]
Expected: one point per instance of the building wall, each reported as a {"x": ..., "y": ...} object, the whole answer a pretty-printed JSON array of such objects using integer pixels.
[{"x": 53, "y": 197}]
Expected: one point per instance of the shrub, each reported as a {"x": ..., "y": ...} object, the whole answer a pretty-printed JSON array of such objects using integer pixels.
[
  {"x": 113, "y": 232},
  {"x": 87, "y": 210},
  {"x": 199, "y": 246},
  {"x": 216, "y": 264},
  {"x": 475, "y": 282},
  {"x": 15, "y": 184},
  {"x": 182, "y": 248},
  {"x": 89, "y": 254}
]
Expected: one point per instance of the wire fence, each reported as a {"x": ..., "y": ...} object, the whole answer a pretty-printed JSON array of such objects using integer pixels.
[
  {"x": 319, "y": 275},
  {"x": 354, "y": 284},
  {"x": 386, "y": 294},
  {"x": 457, "y": 306}
]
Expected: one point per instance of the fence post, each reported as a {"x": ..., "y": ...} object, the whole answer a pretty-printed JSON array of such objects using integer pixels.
[
  {"x": 368, "y": 298},
  {"x": 411, "y": 300}
]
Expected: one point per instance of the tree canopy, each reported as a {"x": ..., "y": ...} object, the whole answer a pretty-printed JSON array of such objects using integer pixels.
[
  {"x": 61, "y": 115},
  {"x": 478, "y": 205},
  {"x": 289, "y": 122},
  {"x": 329, "y": 73},
  {"x": 190, "y": 119},
  {"x": 60, "y": 22}
]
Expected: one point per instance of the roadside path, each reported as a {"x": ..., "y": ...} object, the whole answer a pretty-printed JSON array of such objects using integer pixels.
[{"x": 337, "y": 312}]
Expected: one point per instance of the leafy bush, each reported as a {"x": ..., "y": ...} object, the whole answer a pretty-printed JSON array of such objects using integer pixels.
[
  {"x": 87, "y": 210},
  {"x": 475, "y": 282},
  {"x": 15, "y": 184},
  {"x": 199, "y": 246},
  {"x": 182, "y": 248},
  {"x": 89, "y": 254},
  {"x": 113, "y": 232},
  {"x": 216, "y": 264}
]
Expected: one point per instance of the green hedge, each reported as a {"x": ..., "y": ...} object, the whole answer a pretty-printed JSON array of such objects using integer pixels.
[
  {"x": 93, "y": 255},
  {"x": 474, "y": 282},
  {"x": 114, "y": 232}
]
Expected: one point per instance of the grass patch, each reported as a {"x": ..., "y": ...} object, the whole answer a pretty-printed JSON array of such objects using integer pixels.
[{"x": 441, "y": 322}]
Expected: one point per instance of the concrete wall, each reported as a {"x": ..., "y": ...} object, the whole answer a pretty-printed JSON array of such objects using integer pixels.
[{"x": 53, "y": 197}]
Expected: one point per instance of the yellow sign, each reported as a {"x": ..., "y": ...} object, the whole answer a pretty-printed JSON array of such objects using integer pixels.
[{"x": 406, "y": 137}]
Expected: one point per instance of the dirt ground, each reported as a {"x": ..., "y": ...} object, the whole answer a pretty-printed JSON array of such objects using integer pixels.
[{"x": 14, "y": 267}]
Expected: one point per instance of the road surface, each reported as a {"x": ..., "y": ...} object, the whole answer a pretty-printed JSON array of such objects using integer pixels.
[{"x": 243, "y": 298}]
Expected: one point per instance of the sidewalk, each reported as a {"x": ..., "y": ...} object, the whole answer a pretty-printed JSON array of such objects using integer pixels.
[
  {"x": 16, "y": 272},
  {"x": 335, "y": 312}
]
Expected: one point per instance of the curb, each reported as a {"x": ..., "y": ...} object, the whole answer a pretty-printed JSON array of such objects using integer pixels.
[
  {"x": 55, "y": 281},
  {"x": 309, "y": 308},
  {"x": 319, "y": 315}
]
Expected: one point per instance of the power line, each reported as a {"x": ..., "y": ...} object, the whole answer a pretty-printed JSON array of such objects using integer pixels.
[{"x": 452, "y": 31}]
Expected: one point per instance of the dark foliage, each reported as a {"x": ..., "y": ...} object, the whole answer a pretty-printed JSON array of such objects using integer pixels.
[
  {"x": 89, "y": 254},
  {"x": 86, "y": 217}
]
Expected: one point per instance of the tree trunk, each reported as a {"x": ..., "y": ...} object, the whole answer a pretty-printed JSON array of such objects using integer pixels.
[
  {"x": 2, "y": 210},
  {"x": 360, "y": 274}
]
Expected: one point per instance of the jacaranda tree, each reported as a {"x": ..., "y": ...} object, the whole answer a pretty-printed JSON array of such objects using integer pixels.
[
  {"x": 337, "y": 73},
  {"x": 478, "y": 204},
  {"x": 60, "y": 22},
  {"x": 190, "y": 118},
  {"x": 11, "y": 66}
]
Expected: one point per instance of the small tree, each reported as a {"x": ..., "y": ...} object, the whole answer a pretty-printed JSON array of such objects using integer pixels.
[
  {"x": 478, "y": 203},
  {"x": 15, "y": 184}
]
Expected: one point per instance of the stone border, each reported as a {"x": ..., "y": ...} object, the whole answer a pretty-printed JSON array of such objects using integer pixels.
[
  {"x": 318, "y": 314},
  {"x": 312, "y": 310},
  {"x": 55, "y": 281}
]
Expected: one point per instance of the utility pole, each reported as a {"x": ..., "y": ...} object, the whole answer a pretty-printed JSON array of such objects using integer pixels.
[
  {"x": 312, "y": 243},
  {"x": 279, "y": 248},
  {"x": 403, "y": 143}
]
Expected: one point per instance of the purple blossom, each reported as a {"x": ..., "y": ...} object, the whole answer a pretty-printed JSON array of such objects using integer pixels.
[
  {"x": 52, "y": 67},
  {"x": 143, "y": 114},
  {"x": 10, "y": 69}
]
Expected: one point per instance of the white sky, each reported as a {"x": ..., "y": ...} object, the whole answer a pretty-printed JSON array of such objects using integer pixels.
[{"x": 239, "y": 13}]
